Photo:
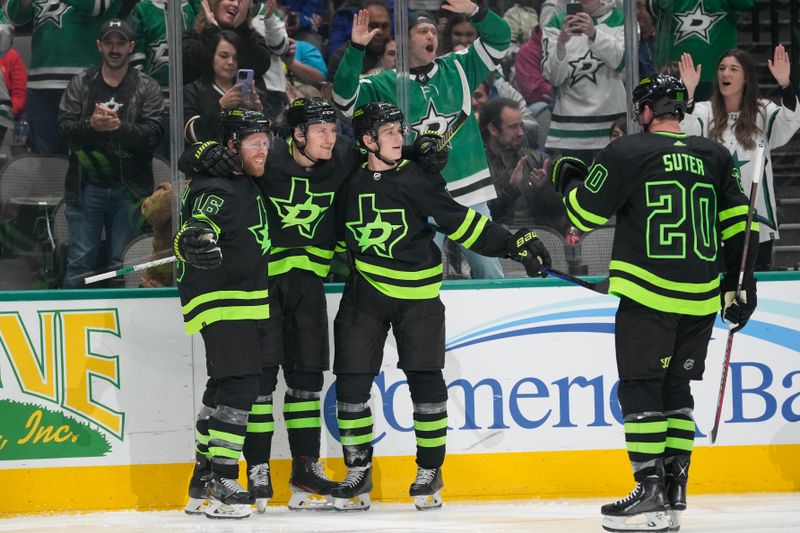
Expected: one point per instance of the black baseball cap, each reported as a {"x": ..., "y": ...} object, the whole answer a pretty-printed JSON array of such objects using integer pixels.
[{"x": 116, "y": 26}]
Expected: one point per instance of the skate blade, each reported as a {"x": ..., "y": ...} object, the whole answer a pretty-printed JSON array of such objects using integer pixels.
[
  {"x": 261, "y": 505},
  {"x": 308, "y": 501},
  {"x": 644, "y": 522},
  {"x": 428, "y": 501},
  {"x": 196, "y": 506},
  {"x": 223, "y": 511},
  {"x": 357, "y": 503},
  {"x": 675, "y": 520}
]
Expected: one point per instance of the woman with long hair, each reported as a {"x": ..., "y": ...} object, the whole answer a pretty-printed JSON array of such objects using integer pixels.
[{"x": 737, "y": 117}]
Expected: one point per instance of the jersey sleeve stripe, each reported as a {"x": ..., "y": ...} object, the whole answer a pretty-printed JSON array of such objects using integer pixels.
[
  {"x": 583, "y": 219},
  {"x": 739, "y": 227},
  {"x": 483, "y": 53},
  {"x": 462, "y": 229},
  {"x": 475, "y": 232},
  {"x": 346, "y": 104},
  {"x": 739, "y": 210}
]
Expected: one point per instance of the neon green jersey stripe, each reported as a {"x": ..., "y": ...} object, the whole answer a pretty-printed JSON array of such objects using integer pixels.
[
  {"x": 423, "y": 292},
  {"x": 737, "y": 228},
  {"x": 399, "y": 274},
  {"x": 476, "y": 232},
  {"x": 204, "y": 453},
  {"x": 431, "y": 443},
  {"x": 430, "y": 426},
  {"x": 224, "y": 295},
  {"x": 296, "y": 407},
  {"x": 355, "y": 441},
  {"x": 462, "y": 229},
  {"x": 218, "y": 451},
  {"x": 313, "y": 250},
  {"x": 654, "y": 448},
  {"x": 680, "y": 444},
  {"x": 658, "y": 281},
  {"x": 299, "y": 423},
  {"x": 623, "y": 287},
  {"x": 260, "y": 427},
  {"x": 202, "y": 439},
  {"x": 300, "y": 262},
  {"x": 357, "y": 423},
  {"x": 588, "y": 216},
  {"x": 646, "y": 427},
  {"x": 680, "y": 423},
  {"x": 233, "y": 438},
  {"x": 739, "y": 210},
  {"x": 253, "y": 312},
  {"x": 261, "y": 409}
]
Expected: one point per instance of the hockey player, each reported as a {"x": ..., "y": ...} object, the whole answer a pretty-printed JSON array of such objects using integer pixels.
[
  {"x": 395, "y": 283},
  {"x": 440, "y": 91},
  {"x": 677, "y": 198},
  {"x": 301, "y": 183},
  {"x": 223, "y": 250}
]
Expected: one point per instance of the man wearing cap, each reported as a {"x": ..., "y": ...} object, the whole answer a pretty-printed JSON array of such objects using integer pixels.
[
  {"x": 440, "y": 90},
  {"x": 110, "y": 118}
]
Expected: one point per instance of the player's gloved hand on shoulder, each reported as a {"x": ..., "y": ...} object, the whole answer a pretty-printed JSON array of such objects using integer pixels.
[
  {"x": 425, "y": 152},
  {"x": 196, "y": 244},
  {"x": 209, "y": 158},
  {"x": 737, "y": 311},
  {"x": 524, "y": 246}
]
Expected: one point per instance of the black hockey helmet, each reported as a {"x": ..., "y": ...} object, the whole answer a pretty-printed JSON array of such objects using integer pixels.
[
  {"x": 567, "y": 173},
  {"x": 369, "y": 117},
  {"x": 666, "y": 94},
  {"x": 313, "y": 110},
  {"x": 239, "y": 123}
]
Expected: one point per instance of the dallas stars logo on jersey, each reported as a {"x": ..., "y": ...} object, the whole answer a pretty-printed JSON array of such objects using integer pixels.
[
  {"x": 696, "y": 22},
  {"x": 261, "y": 230},
  {"x": 303, "y": 209},
  {"x": 50, "y": 11},
  {"x": 377, "y": 229},
  {"x": 585, "y": 67},
  {"x": 432, "y": 120}
]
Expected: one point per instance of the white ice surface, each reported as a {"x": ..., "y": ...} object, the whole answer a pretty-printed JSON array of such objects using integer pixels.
[{"x": 771, "y": 513}]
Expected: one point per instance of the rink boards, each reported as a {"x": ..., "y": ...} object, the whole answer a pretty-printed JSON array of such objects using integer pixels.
[{"x": 98, "y": 392}]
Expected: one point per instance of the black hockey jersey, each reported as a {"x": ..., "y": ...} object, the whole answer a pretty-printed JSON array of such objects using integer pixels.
[
  {"x": 237, "y": 290},
  {"x": 390, "y": 240},
  {"x": 676, "y": 198},
  {"x": 300, "y": 206}
]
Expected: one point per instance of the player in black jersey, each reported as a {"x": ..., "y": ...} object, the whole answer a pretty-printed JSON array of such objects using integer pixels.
[
  {"x": 395, "y": 282},
  {"x": 302, "y": 182},
  {"x": 223, "y": 250},
  {"x": 676, "y": 198}
]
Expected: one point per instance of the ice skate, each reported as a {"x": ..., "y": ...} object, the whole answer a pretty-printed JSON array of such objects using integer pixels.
[
  {"x": 427, "y": 489},
  {"x": 227, "y": 499},
  {"x": 311, "y": 488},
  {"x": 644, "y": 509},
  {"x": 198, "y": 489},
  {"x": 352, "y": 494},
  {"x": 675, "y": 480},
  {"x": 259, "y": 484}
]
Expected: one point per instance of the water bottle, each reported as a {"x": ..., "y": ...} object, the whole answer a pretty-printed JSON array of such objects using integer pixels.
[
  {"x": 21, "y": 132},
  {"x": 572, "y": 236}
]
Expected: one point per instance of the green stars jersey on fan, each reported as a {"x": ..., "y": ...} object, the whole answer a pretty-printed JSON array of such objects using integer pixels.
[
  {"x": 149, "y": 20},
  {"x": 64, "y": 37},
  {"x": 238, "y": 289},
  {"x": 390, "y": 240},
  {"x": 677, "y": 198},
  {"x": 704, "y": 28},
  {"x": 302, "y": 204},
  {"x": 436, "y": 100}
]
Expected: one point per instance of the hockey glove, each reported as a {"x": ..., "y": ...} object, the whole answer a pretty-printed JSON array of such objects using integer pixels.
[
  {"x": 209, "y": 159},
  {"x": 196, "y": 244},
  {"x": 738, "y": 311},
  {"x": 425, "y": 152},
  {"x": 525, "y": 247}
]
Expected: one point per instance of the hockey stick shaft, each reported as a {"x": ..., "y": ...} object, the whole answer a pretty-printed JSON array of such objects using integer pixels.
[
  {"x": 127, "y": 270},
  {"x": 600, "y": 287},
  {"x": 463, "y": 115},
  {"x": 758, "y": 169}
]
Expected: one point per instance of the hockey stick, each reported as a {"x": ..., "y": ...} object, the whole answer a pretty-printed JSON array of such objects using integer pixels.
[
  {"x": 758, "y": 169},
  {"x": 600, "y": 287},
  {"x": 127, "y": 270},
  {"x": 463, "y": 115}
]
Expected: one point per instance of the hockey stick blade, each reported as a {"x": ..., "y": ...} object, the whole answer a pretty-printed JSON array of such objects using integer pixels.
[
  {"x": 758, "y": 169},
  {"x": 601, "y": 287}
]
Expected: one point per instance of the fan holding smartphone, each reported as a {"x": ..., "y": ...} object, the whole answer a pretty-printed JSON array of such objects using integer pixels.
[{"x": 244, "y": 78}]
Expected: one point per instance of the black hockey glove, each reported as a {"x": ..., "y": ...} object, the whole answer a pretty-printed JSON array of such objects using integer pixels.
[
  {"x": 209, "y": 159},
  {"x": 196, "y": 244},
  {"x": 524, "y": 246},
  {"x": 737, "y": 311},
  {"x": 425, "y": 152}
]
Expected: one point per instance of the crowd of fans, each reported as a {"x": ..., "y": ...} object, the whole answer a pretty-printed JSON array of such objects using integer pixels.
[{"x": 559, "y": 89}]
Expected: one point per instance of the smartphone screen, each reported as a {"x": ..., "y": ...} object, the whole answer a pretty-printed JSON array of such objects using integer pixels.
[{"x": 574, "y": 7}]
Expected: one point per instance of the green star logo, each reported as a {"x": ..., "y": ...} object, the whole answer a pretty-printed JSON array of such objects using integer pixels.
[
  {"x": 378, "y": 229},
  {"x": 585, "y": 67},
  {"x": 303, "y": 209},
  {"x": 739, "y": 163},
  {"x": 261, "y": 230}
]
